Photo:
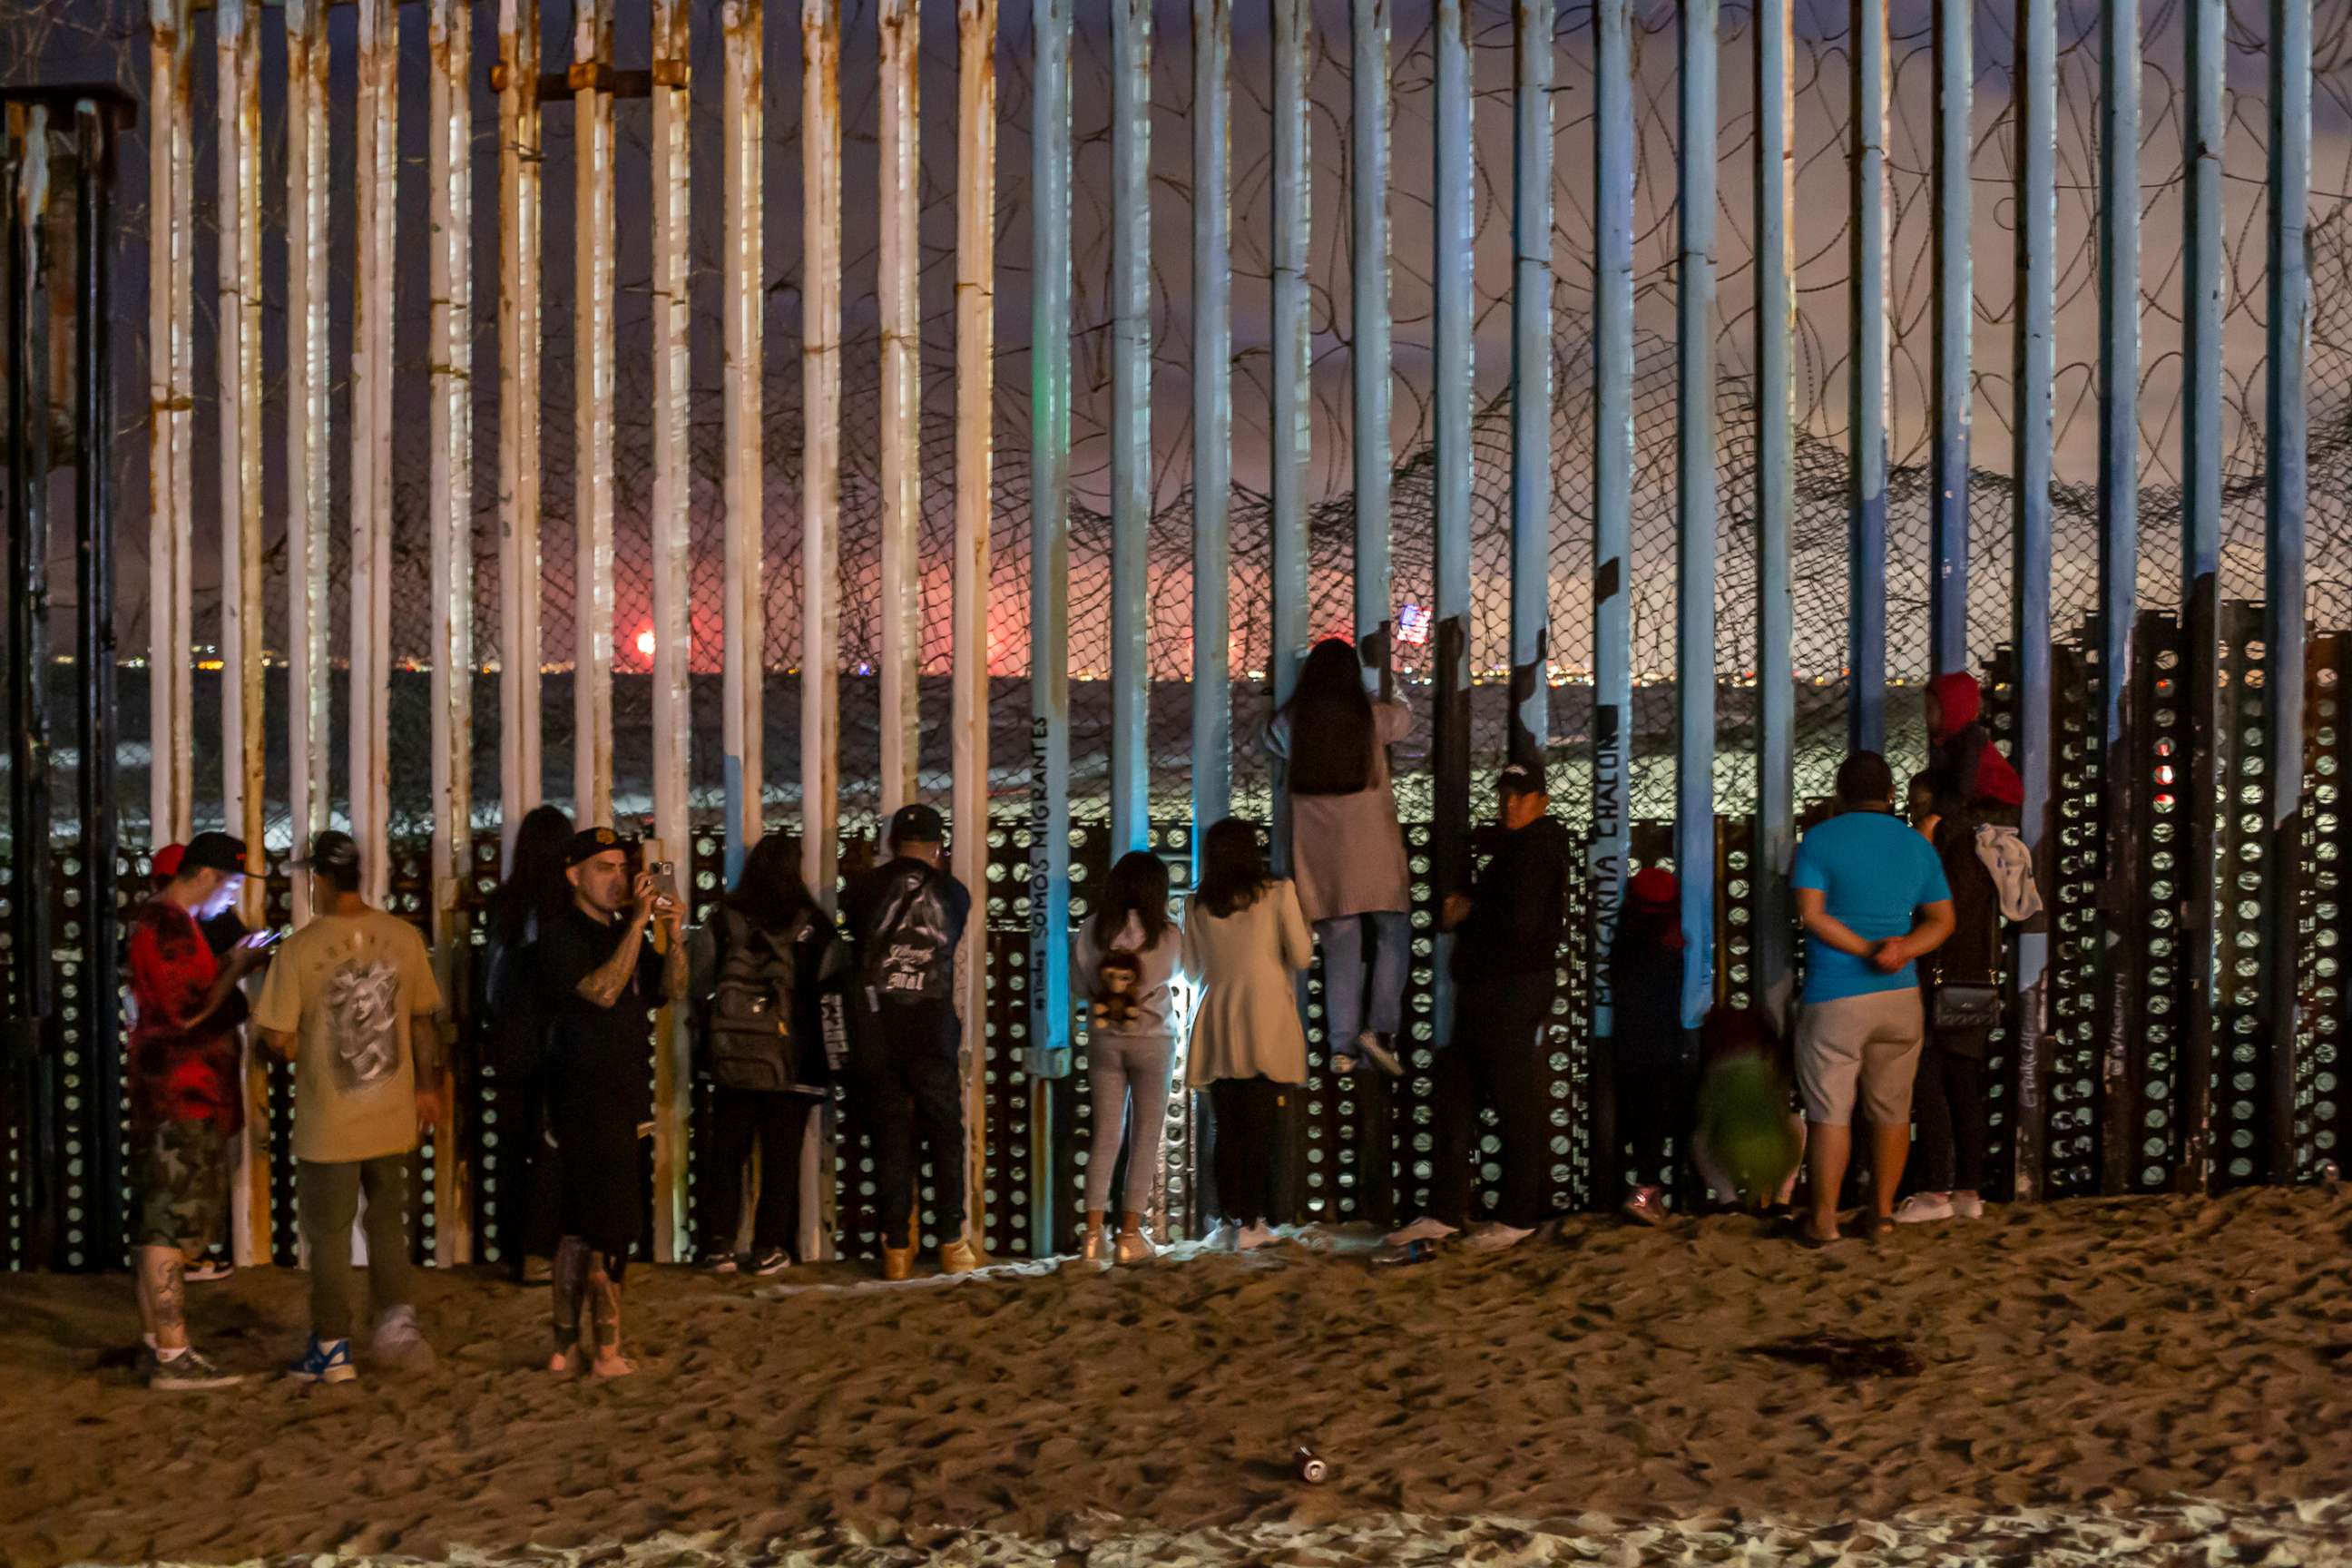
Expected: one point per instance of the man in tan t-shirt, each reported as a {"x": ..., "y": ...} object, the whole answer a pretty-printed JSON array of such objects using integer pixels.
[{"x": 351, "y": 999}]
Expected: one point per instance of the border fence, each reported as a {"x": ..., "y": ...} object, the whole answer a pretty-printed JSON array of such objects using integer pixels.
[{"x": 657, "y": 408}]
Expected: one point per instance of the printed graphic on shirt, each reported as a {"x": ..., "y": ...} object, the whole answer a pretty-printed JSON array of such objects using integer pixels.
[{"x": 362, "y": 1002}]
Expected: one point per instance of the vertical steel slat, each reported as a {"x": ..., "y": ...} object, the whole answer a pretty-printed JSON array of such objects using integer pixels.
[
  {"x": 1776, "y": 505},
  {"x": 821, "y": 431},
  {"x": 171, "y": 396},
  {"x": 899, "y": 171},
  {"x": 742, "y": 317},
  {"x": 1370, "y": 366},
  {"x": 671, "y": 55},
  {"x": 593, "y": 351},
  {"x": 1531, "y": 722},
  {"x": 1694, "y": 512},
  {"x": 1612, "y": 486},
  {"x": 1955, "y": 305},
  {"x": 32, "y": 912},
  {"x": 1866, "y": 527},
  {"x": 2033, "y": 435},
  {"x": 1049, "y": 592},
  {"x": 975, "y": 463},
  {"x": 1289, "y": 420},
  {"x": 1130, "y": 425},
  {"x": 1455, "y": 233},
  {"x": 237, "y": 39},
  {"x": 2286, "y": 501},
  {"x": 519, "y": 324},
  {"x": 2202, "y": 462},
  {"x": 2119, "y": 362},
  {"x": 310, "y": 419},
  {"x": 449, "y": 507},
  {"x": 1213, "y": 419},
  {"x": 376, "y": 274}
]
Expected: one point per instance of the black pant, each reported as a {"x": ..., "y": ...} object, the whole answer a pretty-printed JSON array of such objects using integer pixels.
[
  {"x": 904, "y": 1081},
  {"x": 1493, "y": 1059},
  {"x": 1948, "y": 1101},
  {"x": 1248, "y": 1113},
  {"x": 1656, "y": 1083},
  {"x": 779, "y": 1122},
  {"x": 537, "y": 1172}
]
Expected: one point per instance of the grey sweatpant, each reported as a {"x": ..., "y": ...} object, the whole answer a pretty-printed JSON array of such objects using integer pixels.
[{"x": 1127, "y": 1075}]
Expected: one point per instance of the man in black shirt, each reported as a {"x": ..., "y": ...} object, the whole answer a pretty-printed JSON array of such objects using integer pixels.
[
  {"x": 1508, "y": 931},
  {"x": 905, "y": 919},
  {"x": 603, "y": 983}
]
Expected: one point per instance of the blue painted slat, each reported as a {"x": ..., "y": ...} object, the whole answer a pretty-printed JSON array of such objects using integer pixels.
[
  {"x": 1613, "y": 483},
  {"x": 1531, "y": 280},
  {"x": 1695, "y": 511},
  {"x": 1947, "y": 599},
  {"x": 1293, "y": 410},
  {"x": 1049, "y": 548},
  {"x": 1213, "y": 419},
  {"x": 1776, "y": 505},
  {"x": 1369, "y": 368},
  {"x": 1454, "y": 233},
  {"x": 1866, "y": 544},
  {"x": 1131, "y": 429}
]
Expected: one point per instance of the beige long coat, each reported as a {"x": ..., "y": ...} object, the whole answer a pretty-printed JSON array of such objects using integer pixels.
[{"x": 1247, "y": 965}]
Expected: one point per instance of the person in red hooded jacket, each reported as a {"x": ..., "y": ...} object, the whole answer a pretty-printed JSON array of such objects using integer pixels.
[
  {"x": 1654, "y": 1057},
  {"x": 1971, "y": 775}
]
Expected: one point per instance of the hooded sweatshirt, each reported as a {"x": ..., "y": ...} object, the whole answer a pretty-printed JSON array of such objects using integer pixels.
[
  {"x": 1967, "y": 768},
  {"x": 1509, "y": 948}
]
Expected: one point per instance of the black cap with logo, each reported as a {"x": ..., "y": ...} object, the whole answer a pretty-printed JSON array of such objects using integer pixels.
[
  {"x": 214, "y": 852},
  {"x": 917, "y": 823},
  {"x": 591, "y": 842},
  {"x": 1519, "y": 778}
]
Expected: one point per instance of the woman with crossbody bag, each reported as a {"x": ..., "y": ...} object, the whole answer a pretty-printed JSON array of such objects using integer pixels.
[
  {"x": 762, "y": 967},
  {"x": 1959, "y": 986}
]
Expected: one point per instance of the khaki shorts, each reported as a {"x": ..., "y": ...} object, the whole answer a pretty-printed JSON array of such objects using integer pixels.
[{"x": 1867, "y": 1044}]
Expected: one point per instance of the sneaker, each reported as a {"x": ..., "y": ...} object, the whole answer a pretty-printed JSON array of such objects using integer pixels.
[
  {"x": 190, "y": 1371},
  {"x": 1251, "y": 1236},
  {"x": 1923, "y": 1208},
  {"x": 210, "y": 1270},
  {"x": 768, "y": 1262},
  {"x": 1134, "y": 1249},
  {"x": 1967, "y": 1205},
  {"x": 958, "y": 1257},
  {"x": 722, "y": 1263},
  {"x": 1368, "y": 1045},
  {"x": 399, "y": 1344},
  {"x": 1646, "y": 1207},
  {"x": 327, "y": 1360},
  {"x": 1224, "y": 1237},
  {"x": 1095, "y": 1246},
  {"x": 1426, "y": 1229},
  {"x": 1494, "y": 1236},
  {"x": 897, "y": 1262}
]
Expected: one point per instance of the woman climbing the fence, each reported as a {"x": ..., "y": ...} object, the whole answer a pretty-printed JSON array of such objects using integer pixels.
[{"x": 1347, "y": 850}]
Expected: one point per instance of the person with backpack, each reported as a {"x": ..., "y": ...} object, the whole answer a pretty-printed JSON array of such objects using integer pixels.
[
  {"x": 513, "y": 1008},
  {"x": 1347, "y": 851},
  {"x": 760, "y": 970},
  {"x": 906, "y": 918},
  {"x": 1245, "y": 943},
  {"x": 1127, "y": 954}
]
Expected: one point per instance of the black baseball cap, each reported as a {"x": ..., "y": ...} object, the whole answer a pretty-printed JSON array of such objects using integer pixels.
[
  {"x": 917, "y": 823},
  {"x": 1520, "y": 778},
  {"x": 589, "y": 843},
  {"x": 214, "y": 852},
  {"x": 332, "y": 852}
]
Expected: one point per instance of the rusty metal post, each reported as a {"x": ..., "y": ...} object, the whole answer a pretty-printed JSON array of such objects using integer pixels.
[
  {"x": 591, "y": 402},
  {"x": 171, "y": 397},
  {"x": 821, "y": 434},
  {"x": 515, "y": 77},
  {"x": 371, "y": 415},
  {"x": 449, "y": 511},
  {"x": 310, "y": 417},
  {"x": 975, "y": 461},
  {"x": 742, "y": 215},
  {"x": 900, "y": 31}
]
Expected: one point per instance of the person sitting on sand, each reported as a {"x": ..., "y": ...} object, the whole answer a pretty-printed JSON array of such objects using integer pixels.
[
  {"x": 1873, "y": 899},
  {"x": 1127, "y": 954},
  {"x": 1509, "y": 926},
  {"x": 600, "y": 982},
  {"x": 905, "y": 919},
  {"x": 1746, "y": 1141},
  {"x": 1245, "y": 943},
  {"x": 1653, "y": 1056},
  {"x": 351, "y": 1002}
]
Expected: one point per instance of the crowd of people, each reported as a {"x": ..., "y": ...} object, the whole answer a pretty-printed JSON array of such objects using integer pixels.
[{"x": 585, "y": 945}]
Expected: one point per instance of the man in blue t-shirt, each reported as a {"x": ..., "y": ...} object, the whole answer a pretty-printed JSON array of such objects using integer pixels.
[{"x": 1871, "y": 893}]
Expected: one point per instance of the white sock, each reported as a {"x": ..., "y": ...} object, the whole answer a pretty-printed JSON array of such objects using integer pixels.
[{"x": 167, "y": 1356}]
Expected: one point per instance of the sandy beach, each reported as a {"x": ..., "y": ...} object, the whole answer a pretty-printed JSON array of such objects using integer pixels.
[{"x": 2067, "y": 1379}]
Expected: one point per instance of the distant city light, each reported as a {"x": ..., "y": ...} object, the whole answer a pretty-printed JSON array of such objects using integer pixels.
[{"x": 645, "y": 642}]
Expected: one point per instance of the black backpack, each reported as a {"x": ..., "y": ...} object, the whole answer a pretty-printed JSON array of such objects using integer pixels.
[
  {"x": 750, "y": 1031},
  {"x": 910, "y": 957}
]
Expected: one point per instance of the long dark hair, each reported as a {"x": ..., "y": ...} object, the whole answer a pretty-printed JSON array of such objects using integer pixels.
[
  {"x": 1232, "y": 868},
  {"x": 1138, "y": 887},
  {"x": 534, "y": 884},
  {"x": 1331, "y": 723},
  {"x": 768, "y": 891}
]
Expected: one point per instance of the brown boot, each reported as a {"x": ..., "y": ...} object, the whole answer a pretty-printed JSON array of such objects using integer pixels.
[
  {"x": 897, "y": 1262},
  {"x": 958, "y": 1257}
]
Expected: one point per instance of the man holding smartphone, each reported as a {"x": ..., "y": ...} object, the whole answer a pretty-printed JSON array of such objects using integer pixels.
[{"x": 602, "y": 981}]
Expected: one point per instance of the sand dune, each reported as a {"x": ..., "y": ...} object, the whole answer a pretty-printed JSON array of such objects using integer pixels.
[{"x": 2087, "y": 1374}]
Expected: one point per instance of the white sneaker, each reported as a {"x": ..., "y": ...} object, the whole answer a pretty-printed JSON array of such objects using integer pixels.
[
  {"x": 1136, "y": 1248},
  {"x": 399, "y": 1344},
  {"x": 1254, "y": 1234},
  {"x": 1224, "y": 1237},
  {"x": 1923, "y": 1209},
  {"x": 1967, "y": 1205},
  {"x": 1425, "y": 1228},
  {"x": 1368, "y": 1045},
  {"x": 1494, "y": 1236}
]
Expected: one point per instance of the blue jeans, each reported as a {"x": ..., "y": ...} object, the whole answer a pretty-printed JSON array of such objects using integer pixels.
[{"x": 1350, "y": 1003}]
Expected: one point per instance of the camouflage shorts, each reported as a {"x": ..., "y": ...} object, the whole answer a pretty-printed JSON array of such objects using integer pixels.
[{"x": 184, "y": 1186}]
